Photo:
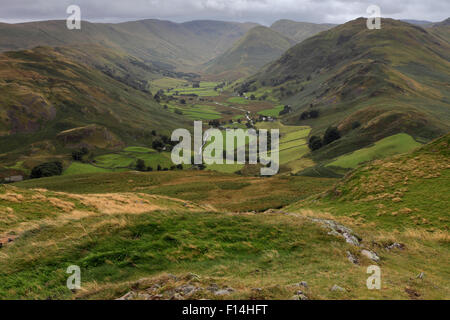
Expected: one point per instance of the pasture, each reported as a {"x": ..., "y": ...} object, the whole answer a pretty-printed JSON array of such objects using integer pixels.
[{"x": 396, "y": 144}]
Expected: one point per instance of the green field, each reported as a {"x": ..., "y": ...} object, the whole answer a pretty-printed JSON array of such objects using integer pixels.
[
  {"x": 122, "y": 161},
  {"x": 197, "y": 112},
  {"x": 206, "y": 90},
  {"x": 202, "y": 112},
  {"x": 399, "y": 143},
  {"x": 293, "y": 144},
  {"x": 225, "y": 168},
  {"x": 139, "y": 150},
  {"x": 275, "y": 112},
  {"x": 128, "y": 159},
  {"x": 238, "y": 144},
  {"x": 166, "y": 83},
  {"x": 81, "y": 168},
  {"x": 238, "y": 100}
]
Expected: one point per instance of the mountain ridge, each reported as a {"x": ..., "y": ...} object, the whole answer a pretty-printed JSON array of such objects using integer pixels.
[
  {"x": 390, "y": 80},
  {"x": 258, "y": 47}
]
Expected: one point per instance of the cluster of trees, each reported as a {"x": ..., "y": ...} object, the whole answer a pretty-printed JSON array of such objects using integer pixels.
[
  {"x": 163, "y": 143},
  {"x": 214, "y": 123},
  {"x": 246, "y": 87},
  {"x": 78, "y": 155},
  {"x": 141, "y": 166},
  {"x": 160, "y": 96},
  {"x": 312, "y": 114},
  {"x": 47, "y": 169},
  {"x": 219, "y": 86},
  {"x": 332, "y": 134},
  {"x": 287, "y": 109}
]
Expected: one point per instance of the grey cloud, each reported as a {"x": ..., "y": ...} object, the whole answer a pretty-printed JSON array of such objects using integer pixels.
[{"x": 262, "y": 11}]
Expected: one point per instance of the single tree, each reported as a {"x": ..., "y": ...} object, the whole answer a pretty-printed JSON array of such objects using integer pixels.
[
  {"x": 315, "y": 143},
  {"x": 332, "y": 134},
  {"x": 140, "y": 165}
]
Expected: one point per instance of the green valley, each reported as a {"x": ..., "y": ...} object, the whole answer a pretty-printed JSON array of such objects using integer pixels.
[{"x": 88, "y": 180}]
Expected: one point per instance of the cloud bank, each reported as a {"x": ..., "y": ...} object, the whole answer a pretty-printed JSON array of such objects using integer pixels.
[{"x": 262, "y": 11}]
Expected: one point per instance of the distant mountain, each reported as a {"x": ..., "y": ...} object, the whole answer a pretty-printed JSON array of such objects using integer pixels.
[
  {"x": 166, "y": 44},
  {"x": 441, "y": 29},
  {"x": 299, "y": 31},
  {"x": 417, "y": 22},
  {"x": 369, "y": 83},
  {"x": 258, "y": 47}
]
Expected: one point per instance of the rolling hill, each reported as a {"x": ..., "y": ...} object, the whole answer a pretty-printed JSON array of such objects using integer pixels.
[
  {"x": 52, "y": 103},
  {"x": 258, "y": 47},
  {"x": 163, "y": 43},
  {"x": 371, "y": 84},
  {"x": 299, "y": 31}
]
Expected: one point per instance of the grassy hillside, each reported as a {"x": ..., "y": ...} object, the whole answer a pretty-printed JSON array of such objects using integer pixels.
[
  {"x": 131, "y": 233},
  {"x": 258, "y": 47},
  {"x": 299, "y": 31},
  {"x": 51, "y": 103},
  {"x": 205, "y": 187},
  {"x": 371, "y": 84},
  {"x": 399, "y": 143},
  {"x": 401, "y": 192},
  {"x": 441, "y": 29},
  {"x": 403, "y": 200}
]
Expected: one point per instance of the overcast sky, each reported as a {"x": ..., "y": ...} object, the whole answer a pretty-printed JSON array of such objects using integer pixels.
[{"x": 262, "y": 11}]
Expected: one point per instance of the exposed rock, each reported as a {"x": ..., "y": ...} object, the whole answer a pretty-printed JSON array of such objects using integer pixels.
[
  {"x": 177, "y": 296},
  {"x": 420, "y": 276},
  {"x": 371, "y": 255},
  {"x": 340, "y": 231},
  {"x": 193, "y": 276},
  {"x": 144, "y": 296},
  {"x": 299, "y": 297},
  {"x": 153, "y": 287},
  {"x": 301, "y": 284},
  {"x": 396, "y": 245},
  {"x": 352, "y": 258},
  {"x": 413, "y": 294},
  {"x": 349, "y": 238},
  {"x": 213, "y": 288},
  {"x": 173, "y": 277},
  {"x": 187, "y": 289},
  {"x": 337, "y": 288},
  {"x": 128, "y": 296},
  {"x": 224, "y": 292}
]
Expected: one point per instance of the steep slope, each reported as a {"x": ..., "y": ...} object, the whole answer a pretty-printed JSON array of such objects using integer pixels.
[
  {"x": 370, "y": 83},
  {"x": 441, "y": 29},
  {"x": 258, "y": 47},
  {"x": 399, "y": 207},
  {"x": 400, "y": 192},
  {"x": 299, "y": 31},
  {"x": 163, "y": 43},
  {"x": 45, "y": 93}
]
